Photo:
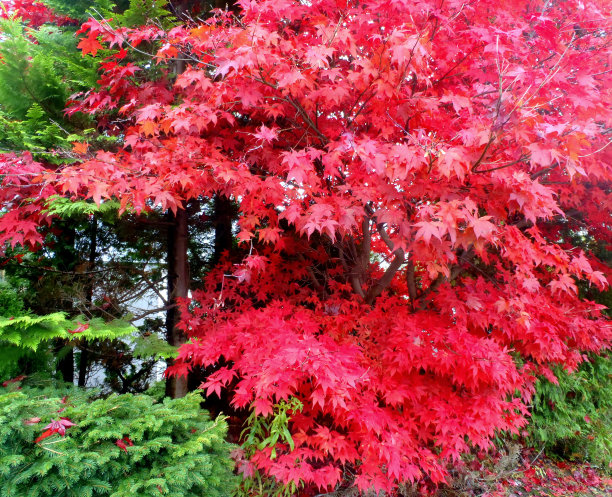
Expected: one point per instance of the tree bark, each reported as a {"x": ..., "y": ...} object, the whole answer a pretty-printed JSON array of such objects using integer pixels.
[
  {"x": 89, "y": 290},
  {"x": 224, "y": 213},
  {"x": 66, "y": 257},
  {"x": 178, "y": 287}
]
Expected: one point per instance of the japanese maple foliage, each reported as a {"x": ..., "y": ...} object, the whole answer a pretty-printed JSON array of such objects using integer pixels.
[
  {"x": 23, "y": 196},
  {"x": 33, "y": 12},
  {"x": 404, "y": 171}
]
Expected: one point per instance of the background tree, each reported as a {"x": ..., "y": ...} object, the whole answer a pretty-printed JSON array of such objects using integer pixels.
[{"x": 41, "y": 67}]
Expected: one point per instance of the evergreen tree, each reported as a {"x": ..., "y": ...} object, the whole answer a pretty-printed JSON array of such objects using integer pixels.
[{"x": 119, "y": 446}]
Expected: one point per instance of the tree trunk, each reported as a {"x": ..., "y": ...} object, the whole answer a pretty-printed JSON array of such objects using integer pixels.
[
  {"x": 89, "y": 290},
  {"x": 66, "y": 261},
  {"x": 178, "y": 287},
  {"x": 224, "y": 214}
]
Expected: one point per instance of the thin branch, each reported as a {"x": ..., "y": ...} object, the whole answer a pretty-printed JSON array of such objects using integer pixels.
[
  {"x": 482, "y": 155},
  {"x": 411, "y": 281},
  {"x": 153, "y": 287},
  {"x": 503, "y": 166},
  {"x": 385, "y": 236},
  {"x": 366, "y": 244},
  {"x": 455, "y": 271},
  {"x": 352, "y": 276},
  {"x": 307, "y": 119},
  {"x": 542, "y": 172},
  {"x": 152, "y": 311}
]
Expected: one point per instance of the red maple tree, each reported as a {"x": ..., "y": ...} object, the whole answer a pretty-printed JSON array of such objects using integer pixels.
[{"x": 406, "y": 174}]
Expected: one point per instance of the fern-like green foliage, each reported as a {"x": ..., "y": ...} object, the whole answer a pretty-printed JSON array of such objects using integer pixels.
[
  {"x": 34, "y": 133},
  {"x": 30, "y": 331},
  {"x": 23, "y": 334},
  {"x": 27, "y": 75},
  {"x": 68, "y": 208},
  {"x": 122, "y": 12},
  {"x": 142, "y": 12},
  {"x": 574, "y": 419},
  {"x": 177, "y": 450},
  {"x": 153, "y": 346},
  {"x": 11, "y": 303}
]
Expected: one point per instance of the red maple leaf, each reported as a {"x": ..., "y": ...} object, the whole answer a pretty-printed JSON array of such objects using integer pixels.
[
  {"x": 81, "y": 327},
  {"x": 124, "y": 442},
  {"x": 90, "y": 45},
  {"x": 121, "y": 444},
  {"x": 14, "y": 380},
  {"x": 56, "y": 426}
]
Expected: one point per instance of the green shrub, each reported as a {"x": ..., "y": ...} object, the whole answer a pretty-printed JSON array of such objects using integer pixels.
[
  {"x": 574, "y": 419},
  {"x": 177, "y": 450}
]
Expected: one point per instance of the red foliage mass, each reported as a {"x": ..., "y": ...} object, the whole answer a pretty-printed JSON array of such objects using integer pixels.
[{"x": 33, "y": 12}]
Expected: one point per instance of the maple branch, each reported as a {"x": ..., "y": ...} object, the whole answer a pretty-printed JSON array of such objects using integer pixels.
[
  {"x": 352, "y": 276},
  {"x": 152, "y": 311},
  {"x": 356, "y": 284},
  {"x": 311, "y": 273},
  {"x": 306, "y": 118},
  {"x": 386, "y": 278},
  {"x": 366, "y": 244},
  {"x": 411, "y": 281},
  {"x": 363, "y": 92},
  {"x": 522, "y": 158},
  {"x": 455, "y": 271},
  {"x": 314, "y": 279},
  {"x": 336, "y": 30},
  {"x": 571, "y": 214},
  {"x": 598, "y": 150},
  {"x": 361, "y": 107},
  {"x": 547, "y": 78},
  {"x": 482, "y": 156},
  {"x": 542, "y": 172},
  {"x": 385, "y": 236},
  {"x": 454, "y": 67},
  {"x": 398, "y": 259}
]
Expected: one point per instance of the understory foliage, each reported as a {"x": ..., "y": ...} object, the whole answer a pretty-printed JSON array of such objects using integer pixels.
[
  {"x": 119, "y": 446},
  {"x": 573, "y": 418},
  {"x": 26, "y": 338},
  {"x": 408, "y": 176}
]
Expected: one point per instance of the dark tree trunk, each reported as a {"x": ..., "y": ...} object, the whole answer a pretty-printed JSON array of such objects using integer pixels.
[
  {"x": 66, "y": 261},
  {"x": 224, "y": 214},
  {"x": 178, "y": 287},
  {"x": 65, "y": 365},
  {"x": 89, "y": 290}
]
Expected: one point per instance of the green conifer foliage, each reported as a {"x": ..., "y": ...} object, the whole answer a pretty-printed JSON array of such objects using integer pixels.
[
  {"x": 574, "y": 418},
  {"x": 82, "y": 9},
  {"x": 121, "y": 446},
  {"x": 40, "y": 68}
]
